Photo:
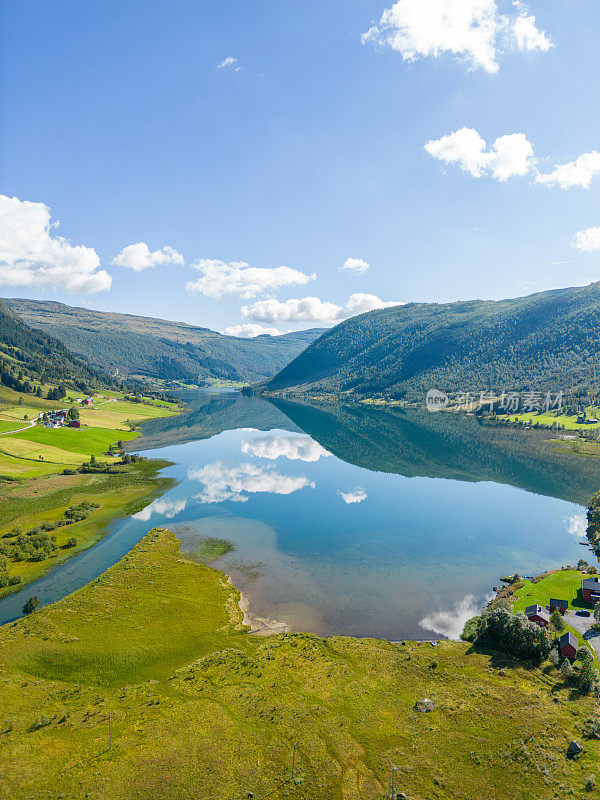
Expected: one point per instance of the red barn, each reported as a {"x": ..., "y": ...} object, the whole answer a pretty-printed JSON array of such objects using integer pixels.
[
  {"x": 568, "y": 646},
  {"x": 538, "y": 615},
  {"x": 74, "y": 423},
  {"x": 590, "y": 589}
]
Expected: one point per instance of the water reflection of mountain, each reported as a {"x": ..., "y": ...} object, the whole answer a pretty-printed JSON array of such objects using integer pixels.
[
  {"x": 446, "y": 446},
  {"x": 210, "y": 413},
  {"x": 410, "y": 443}
]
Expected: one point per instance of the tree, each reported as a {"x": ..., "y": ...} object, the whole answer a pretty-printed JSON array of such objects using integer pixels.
[
  {"x": 566, "y": 670},
  {"x": 31, "y": 605},
  {"x": 73, "y": 413},
  {"x": 514, "y": 634},
  {"x": 557, "y": 621},
  {"x": 554, "y": 658}
]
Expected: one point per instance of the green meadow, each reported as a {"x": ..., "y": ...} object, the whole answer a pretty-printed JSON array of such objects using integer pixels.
[{"x": 145, "y": 684}]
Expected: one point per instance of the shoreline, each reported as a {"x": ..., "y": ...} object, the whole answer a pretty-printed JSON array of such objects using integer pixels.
[{"x": 259, "y": 626}]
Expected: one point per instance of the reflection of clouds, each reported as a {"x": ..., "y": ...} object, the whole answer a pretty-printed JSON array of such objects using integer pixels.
[
  {"x": 576, "y": 525},
  {"x": 355, "y": 496},
  {"x": 167, "y": 508},
  {"x": 451, "y": 623},
  {"x": 236, "y": 483},
  {"x": 296, "y": 448}
]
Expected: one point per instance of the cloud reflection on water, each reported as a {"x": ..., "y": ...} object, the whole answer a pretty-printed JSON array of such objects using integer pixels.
[{"x": 223, "y": 483}]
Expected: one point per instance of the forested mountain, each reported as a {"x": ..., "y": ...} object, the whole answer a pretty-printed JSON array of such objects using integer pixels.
[
  {"x": 158, "y": 348},
  {"x": 27, "y": 354},
  {"x": 549, "y": 340}
]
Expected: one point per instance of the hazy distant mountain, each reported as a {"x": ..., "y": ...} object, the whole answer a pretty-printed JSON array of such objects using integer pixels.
[
  {"x": 159, "y": 348},
  {"x": 546, "y": 340}
]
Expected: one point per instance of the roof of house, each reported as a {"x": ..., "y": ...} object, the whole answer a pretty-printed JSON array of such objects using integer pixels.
[
  {"x": 568, "y": 638},
  {"x": 532, "y": 610},
  {"x": 590, "y": 583},
  {"x": 537, "y": 611},
  {"x": 559, "y": 603}
]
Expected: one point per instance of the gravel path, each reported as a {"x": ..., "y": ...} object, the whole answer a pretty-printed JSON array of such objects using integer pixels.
[{"x": 583, "y": 626}]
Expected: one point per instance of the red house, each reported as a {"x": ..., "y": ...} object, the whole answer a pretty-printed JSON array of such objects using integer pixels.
[
  {"x": 560, "y": 605},
  {"x": 590, "y": 589},
  {"x": 538, "y": 615},
  {"x": 568, "y": 646},
  {"x": 74, "y": 423}
]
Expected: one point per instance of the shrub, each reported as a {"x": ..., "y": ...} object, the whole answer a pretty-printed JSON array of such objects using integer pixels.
[
  {"x": 72, "y": 542},
  {"x": 566, "y": 670},
  {"x": 31, "y": 605},
  {"x": 591, "y": 728},
  {"x": 557, "y": 621}
]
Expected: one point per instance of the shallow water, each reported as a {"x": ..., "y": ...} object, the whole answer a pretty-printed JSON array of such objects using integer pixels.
[{"x": 354, "y": 521}]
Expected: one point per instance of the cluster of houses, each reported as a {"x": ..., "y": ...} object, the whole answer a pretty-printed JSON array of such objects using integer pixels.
[
  {"x": 568, "y": 647},
  {"x": 60, "y": 419}
]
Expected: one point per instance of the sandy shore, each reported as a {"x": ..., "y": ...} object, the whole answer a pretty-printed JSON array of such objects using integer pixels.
[{"x": 261, "y": 626}]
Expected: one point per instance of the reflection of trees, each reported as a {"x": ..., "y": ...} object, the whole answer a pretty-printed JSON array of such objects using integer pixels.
[
  {"x": 418, "y": 443},
  {"x": 208, "y": 414}
]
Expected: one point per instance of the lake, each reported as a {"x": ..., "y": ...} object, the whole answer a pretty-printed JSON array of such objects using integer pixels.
[{"x": 353, "y": 520}]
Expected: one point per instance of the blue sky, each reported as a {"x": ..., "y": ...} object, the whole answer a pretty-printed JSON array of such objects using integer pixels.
[{"x": 307, "y": 151}]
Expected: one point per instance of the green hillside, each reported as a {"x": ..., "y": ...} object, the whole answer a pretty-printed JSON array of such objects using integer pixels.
[
  {"x": 29, "y": 356},
  {"x": 145, "y": 685},
  {"x": 157, "y": 348},
  {"x": 549, "y": 340}
]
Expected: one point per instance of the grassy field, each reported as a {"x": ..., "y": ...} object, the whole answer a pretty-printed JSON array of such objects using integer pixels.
[
  {"x": 562, "y": 585},
  {"x": 38, "y": 450},
  {"x": 201, "y": 709},
  {"x": 47, "y": 498},
  {"x": 35, "y": 491},
  {"x": 568, "y": 422}
]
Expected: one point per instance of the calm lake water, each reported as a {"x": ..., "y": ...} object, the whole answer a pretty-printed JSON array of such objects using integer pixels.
[{"x": 353, "y": 520}]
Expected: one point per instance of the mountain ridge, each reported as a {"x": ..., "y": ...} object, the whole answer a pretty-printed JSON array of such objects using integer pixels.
[
  {"x": 155, "y": 348},
  {"x": 547, "y": 340}
]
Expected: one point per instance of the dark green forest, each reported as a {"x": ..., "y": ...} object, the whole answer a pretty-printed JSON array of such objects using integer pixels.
[
  {"x": 545, "y": 341},
  {"x": 28, "y": 355}
]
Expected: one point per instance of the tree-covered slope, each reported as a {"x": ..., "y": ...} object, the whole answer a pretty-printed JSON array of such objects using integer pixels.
[
  {"x": 542, "y": 341},
  {"x": 27, "y": 355},
  {"x": 159, "y": 348}
]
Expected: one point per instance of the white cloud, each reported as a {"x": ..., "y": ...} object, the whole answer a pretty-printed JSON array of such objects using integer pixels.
[
  {"x": 576, "y": 525},
  {"x": 356, "y": 496},
  {"x": 249, "y": 330},
  {"x": 166, "y": 508},
  {"x": 229, "y": 62},
  {"x": 31, "y": 255},
  {"x": 587, "y": 240},
  {"x": 510, "y": 155},
  {"x": 295, "y": 448},
  {"x": 574, "y": 173},
  {"x": 527, "y": 36},
  {"x": 451, "y": 623},
  {"x": 313, "y": 309},
  {"x": 358, "y": 265},
  {"x": 138, "y": 257},
  {"x": 220, "y": 279},
  {"x": 473, "y": 30},
  {"x": 223, "y": 483}
]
